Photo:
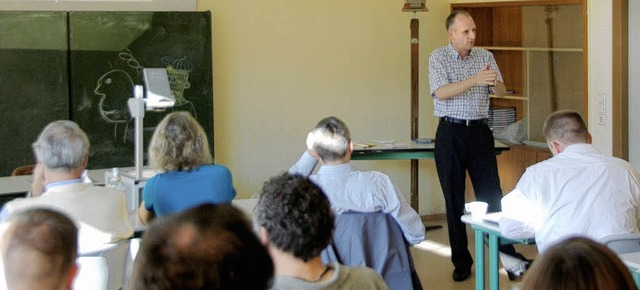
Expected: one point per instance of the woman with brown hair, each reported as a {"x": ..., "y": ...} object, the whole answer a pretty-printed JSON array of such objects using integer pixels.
[
  {"x": 187, "y": 177},
  {"x": 578, "y": 264}
]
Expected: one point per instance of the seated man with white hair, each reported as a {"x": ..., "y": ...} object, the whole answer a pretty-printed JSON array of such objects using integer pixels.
[{"x": 62, "y": 153}]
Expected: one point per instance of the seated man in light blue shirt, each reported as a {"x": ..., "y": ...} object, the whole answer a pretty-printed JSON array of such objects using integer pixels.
[{"x": 352, "y": 190}]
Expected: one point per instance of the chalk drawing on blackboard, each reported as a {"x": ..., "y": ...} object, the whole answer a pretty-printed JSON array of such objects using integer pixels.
[
  {"x": 178, "y": 70},
  {"x": 115, "y": 87}
]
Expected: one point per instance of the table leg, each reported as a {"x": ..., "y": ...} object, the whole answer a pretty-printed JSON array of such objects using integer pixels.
[
  {"x": 479, "y": 260},
  {"x": 493, "y": 262}
]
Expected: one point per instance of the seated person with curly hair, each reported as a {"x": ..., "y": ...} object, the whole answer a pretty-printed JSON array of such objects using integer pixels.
[
  {"x": 179, "y": 150},
  {"x": 296, "y": 223}
]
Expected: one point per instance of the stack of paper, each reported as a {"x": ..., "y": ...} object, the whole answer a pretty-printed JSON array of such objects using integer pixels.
[{"x": 500, "y": 117}]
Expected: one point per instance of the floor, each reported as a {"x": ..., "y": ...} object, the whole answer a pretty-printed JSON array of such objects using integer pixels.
[{"x": 433, "y": 262}]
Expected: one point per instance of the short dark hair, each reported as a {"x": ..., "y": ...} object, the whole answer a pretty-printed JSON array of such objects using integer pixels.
[
  {"x": 578, "y": 264},
  {"x": 452, "y": 18},
  {"x": 50, "y": 233},
  {"x": 566, "y": 126},
  {"x": 333, "y": 139},
  {"x": 296, "y": 215},
  {"x": 206, "y": 247}
]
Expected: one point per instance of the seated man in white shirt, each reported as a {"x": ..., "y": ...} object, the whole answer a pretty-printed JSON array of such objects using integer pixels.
[
  {"x": 579, "y": 191},
  {"x": 351, "y": 190},
  {"x": 62, "y": 153}
]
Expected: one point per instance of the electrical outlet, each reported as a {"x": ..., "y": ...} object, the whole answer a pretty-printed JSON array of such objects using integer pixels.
[{"x": 602, "y": 109}]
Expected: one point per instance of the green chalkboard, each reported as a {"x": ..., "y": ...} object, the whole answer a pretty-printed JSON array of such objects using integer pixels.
[
  {"x": 34, "y": 81},
  {"x": 83, "y": 66},
  {"x": 109, "y": 51}
]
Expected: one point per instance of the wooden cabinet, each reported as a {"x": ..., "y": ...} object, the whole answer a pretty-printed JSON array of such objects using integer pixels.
[
  {"x": 511, "y": 166},
  {"x": 540, "y": 49}
]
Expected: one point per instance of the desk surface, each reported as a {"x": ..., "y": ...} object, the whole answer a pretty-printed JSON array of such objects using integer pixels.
[
  {"x": 402, "y": 149},
  {"x": 631, "y": 259},
  {"x": 492, "y": 228}
]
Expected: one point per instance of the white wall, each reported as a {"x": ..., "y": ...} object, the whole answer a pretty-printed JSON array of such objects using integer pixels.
[
  {"x": 634, "y": 82},
  {"x": 280, "y": 66},
  {"x": 600, "y": 71}
]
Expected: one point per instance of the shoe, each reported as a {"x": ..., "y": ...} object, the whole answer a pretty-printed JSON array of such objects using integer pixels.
[
  {"x": 461, "y": 274},
  {"x": 515, "y": 274}
]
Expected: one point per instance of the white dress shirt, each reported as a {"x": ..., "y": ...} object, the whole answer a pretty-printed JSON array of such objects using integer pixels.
[
  {"x": 363, "y": 191},
  {"x": 578, "y": 192}
]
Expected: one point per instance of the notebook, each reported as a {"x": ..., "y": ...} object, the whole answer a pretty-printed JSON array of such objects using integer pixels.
[{"x": 493, "y": 217}]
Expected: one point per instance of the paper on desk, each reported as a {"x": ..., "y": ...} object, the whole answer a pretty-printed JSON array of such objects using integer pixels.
[
  {"x": 493, "y": 217},
  {"x": 363, "y": 145}
]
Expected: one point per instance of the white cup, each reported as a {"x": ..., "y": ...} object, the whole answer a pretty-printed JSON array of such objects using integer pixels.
[{"x": 477, "y": 209}]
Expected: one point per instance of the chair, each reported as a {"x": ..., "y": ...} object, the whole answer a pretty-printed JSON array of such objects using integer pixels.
[
  {"x": 23, "y": 170},
  {"x": 623, "y": 243},
  {"x": 103, "y": 269},
  {"x": 373, "y": 240}
]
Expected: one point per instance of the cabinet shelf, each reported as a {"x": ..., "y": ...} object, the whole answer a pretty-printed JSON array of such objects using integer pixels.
[
  {"x": 516, "y": 48},
  {"x": 510, "y": 97}
]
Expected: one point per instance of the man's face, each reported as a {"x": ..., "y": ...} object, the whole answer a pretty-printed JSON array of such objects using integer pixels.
[{"x": 463, "y": 33}]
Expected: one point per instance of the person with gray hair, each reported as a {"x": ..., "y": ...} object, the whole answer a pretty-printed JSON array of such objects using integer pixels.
[
  {"x": 39, "y": 247},
  {"x": 350, "y": 190},
  {"x": 62, "y": 154},
  {"x": 579, "y": 191}
]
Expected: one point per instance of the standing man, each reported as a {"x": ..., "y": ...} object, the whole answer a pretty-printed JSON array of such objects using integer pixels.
[{"x": 461, "y": 78}]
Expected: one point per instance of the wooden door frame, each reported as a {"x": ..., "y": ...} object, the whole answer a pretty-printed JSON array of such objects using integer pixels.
[{"x": 620, "y": 79}]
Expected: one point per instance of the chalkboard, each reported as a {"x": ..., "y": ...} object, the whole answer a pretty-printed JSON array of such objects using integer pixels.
[
  {"x": 83, "y": 66},
  {"x": 33, "y": 83},
  {"x": 109, "y": 51}
]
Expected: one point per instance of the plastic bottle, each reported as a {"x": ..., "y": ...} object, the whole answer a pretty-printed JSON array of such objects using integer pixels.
[
  {"x": 85, "y": 177},
  {"x": 116, "y": 181}
]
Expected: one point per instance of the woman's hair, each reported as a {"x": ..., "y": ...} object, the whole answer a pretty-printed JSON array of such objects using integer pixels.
[
  {"x": 179, "y": 143},
  {"x": 578, "y": 264}
]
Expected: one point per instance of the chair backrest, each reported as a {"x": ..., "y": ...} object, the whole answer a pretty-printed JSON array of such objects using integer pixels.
[
  {"x": 373, "y": 240},
  {"x": 22, "y": 170},
  {"x": 623, "y": 243},
  {"x": 104, "y": 269}
]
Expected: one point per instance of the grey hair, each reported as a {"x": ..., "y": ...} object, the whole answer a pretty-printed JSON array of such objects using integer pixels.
[
  {"x": 62, "y": 145},
  {"x": 332, "y": 139}
]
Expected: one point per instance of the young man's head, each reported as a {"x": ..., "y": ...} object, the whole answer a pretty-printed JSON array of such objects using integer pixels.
[
  {"x": 331, "y": 140},
  {"x": 39, "y": 250},
  {"x": 295, "y": 216},
  {"x": 563, "y": 128},
  {"x": 206, "y": 247}
]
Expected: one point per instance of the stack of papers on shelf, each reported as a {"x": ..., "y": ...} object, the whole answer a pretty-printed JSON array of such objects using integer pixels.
[{"x": 500, "y": 117}]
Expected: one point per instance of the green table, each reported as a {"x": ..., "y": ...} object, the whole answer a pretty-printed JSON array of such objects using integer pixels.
[
  {"x": 403, "y": 150},
  {"x": 493, "y": 232}
]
